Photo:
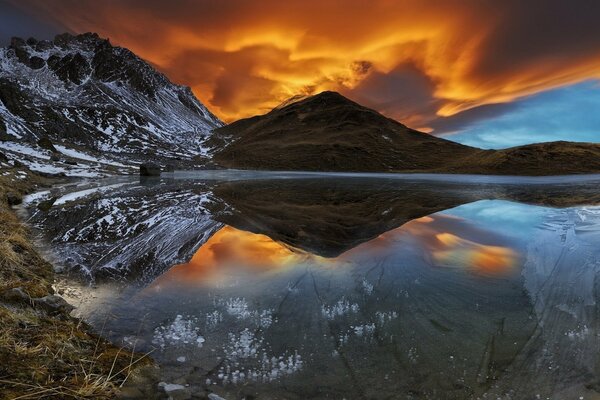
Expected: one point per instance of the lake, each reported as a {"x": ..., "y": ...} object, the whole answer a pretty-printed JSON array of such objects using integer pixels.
[{"x": 298, "y": 286}]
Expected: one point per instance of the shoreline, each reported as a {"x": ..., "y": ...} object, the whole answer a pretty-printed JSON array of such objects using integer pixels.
[{"x": 47, "y": 352}]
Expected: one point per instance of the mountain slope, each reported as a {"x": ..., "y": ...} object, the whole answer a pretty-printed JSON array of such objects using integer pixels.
[
  {"x": 327, "y": 132},
  {"x": 552, "y": 158},
  {"x": 87, "y": 95}
]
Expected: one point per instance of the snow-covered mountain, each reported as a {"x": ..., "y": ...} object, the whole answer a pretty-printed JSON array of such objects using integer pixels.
[{"x": 92, "y": 99}]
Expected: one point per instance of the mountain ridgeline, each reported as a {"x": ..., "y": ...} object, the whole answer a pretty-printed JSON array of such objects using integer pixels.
[
  {"x": 84, "y": 93},
  {"x": 328, "y": 132},
  {"x": 78, "y": 99}
]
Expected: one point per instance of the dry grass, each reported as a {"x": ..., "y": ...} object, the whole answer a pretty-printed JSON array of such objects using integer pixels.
[{"x": 46, "y": 356}]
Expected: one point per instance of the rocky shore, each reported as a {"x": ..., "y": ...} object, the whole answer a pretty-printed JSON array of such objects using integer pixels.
[{"x": 45, "y": 352}]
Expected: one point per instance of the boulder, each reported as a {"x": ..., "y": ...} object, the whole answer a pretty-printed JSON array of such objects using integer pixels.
[
  {"x": 36, "y": 62},
  {"x": 15, "y": 295},
  {"x": 46, "y": 143},
  {"x": 149, "y": 169},
  {"x": 46, "y": 204},
  {"x": 53, "y": 303},
  {"x": 55, "y": 157},
  {"x": 13, "y": 199}
]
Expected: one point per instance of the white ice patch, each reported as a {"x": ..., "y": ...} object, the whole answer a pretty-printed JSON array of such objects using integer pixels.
[
  {"x": 213, "y": 319},
  {"x": 35, "y": 197},
  {"x": 25, "y": 150},
  {"x": 364, "y": 330},
  {"x": 180, "y": 332},
  {"x": 85, "y": 193},
  {"x": 384, "y": 317},
  {"x": 245, "y": 348},
  {"x": 367, "y": 287},
  {"x": 341, "y": 308},
  {"x": 86, "y": 157},
  {"x": 245, "y": 345},
  {"x": 238, "y": 308}
]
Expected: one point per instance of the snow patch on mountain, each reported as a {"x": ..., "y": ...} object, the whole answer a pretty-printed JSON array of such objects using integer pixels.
[{"x": 91, "y": 98}]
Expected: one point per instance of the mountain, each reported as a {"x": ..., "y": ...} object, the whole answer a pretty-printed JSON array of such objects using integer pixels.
[
  {"x": 552, "y": 158},
  {"x": 91, "y": 101},
  {"x": 328, "y": 132}
]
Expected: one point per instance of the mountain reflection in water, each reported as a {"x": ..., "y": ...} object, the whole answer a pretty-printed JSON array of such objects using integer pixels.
[
  {"x": 445, "y": 240},
  {"x": 330, "y": 289}
]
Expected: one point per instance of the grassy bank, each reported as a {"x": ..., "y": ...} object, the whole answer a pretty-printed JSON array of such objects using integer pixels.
[{"x": 45, "y": 353}]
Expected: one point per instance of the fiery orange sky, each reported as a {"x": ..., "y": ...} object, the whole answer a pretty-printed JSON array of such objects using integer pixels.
[{"x": 424, "y": 63}]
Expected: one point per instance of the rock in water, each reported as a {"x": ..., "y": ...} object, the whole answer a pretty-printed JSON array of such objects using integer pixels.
[{"x": 148, "y": 169}]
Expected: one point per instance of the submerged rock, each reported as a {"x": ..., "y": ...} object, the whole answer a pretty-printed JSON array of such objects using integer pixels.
[{"x": 175, "y": 391}]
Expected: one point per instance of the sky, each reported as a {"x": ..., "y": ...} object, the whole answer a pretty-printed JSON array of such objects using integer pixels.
[{"x": 483, "y": 72}]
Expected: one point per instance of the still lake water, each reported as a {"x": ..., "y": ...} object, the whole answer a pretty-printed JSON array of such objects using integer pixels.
[{"x": 336, "y": 287}]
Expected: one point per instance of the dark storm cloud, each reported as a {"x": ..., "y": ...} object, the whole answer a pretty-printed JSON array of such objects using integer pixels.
[
  {"x": 16, "y": 22},
  {"x": 420, "y": 62}
]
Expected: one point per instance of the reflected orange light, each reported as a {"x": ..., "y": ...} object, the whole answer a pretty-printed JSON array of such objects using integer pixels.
[
  {"x": 231, "y": 252},
  {"x": 443, "y": 239},
  {"x": 480, "y": 258},
  {"x": 227, "y": 250}
]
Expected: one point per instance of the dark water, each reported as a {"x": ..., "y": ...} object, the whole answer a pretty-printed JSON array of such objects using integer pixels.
[{"x": 345, "y": 288}]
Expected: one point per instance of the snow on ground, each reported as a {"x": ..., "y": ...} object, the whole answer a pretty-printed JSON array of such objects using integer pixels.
[
  {"x": 38, "y": 160},
  {"x": 85, "y": 193},
  {"x": 25, "y": 150},
  {"x": 83, "y": 156},
  {"x": 35, "y": 197}
]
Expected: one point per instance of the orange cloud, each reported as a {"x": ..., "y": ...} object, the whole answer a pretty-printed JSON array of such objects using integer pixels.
[{"x": 427, "y": 59}]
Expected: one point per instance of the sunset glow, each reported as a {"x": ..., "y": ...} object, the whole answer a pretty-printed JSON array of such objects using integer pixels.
[{"x": 417, "y": 62}]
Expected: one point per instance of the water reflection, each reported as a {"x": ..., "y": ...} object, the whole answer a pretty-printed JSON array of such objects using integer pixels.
[
  {"x": 361, "y": 290},
  {"x": 225, "y": 255},
  {"x": 431, "y": 307},
  {"x": 445, "y": 240}
]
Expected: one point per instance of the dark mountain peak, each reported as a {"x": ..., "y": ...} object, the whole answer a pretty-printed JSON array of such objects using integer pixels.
[
  {"x": 325, "y": 99},
  {"x": 88, "y": 39},
  {"x": 329, "y": 96},
  {"x": 329, "y": 132}
]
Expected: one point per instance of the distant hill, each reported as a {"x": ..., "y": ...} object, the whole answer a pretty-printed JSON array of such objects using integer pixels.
[{"x": 328, "y": 132}]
